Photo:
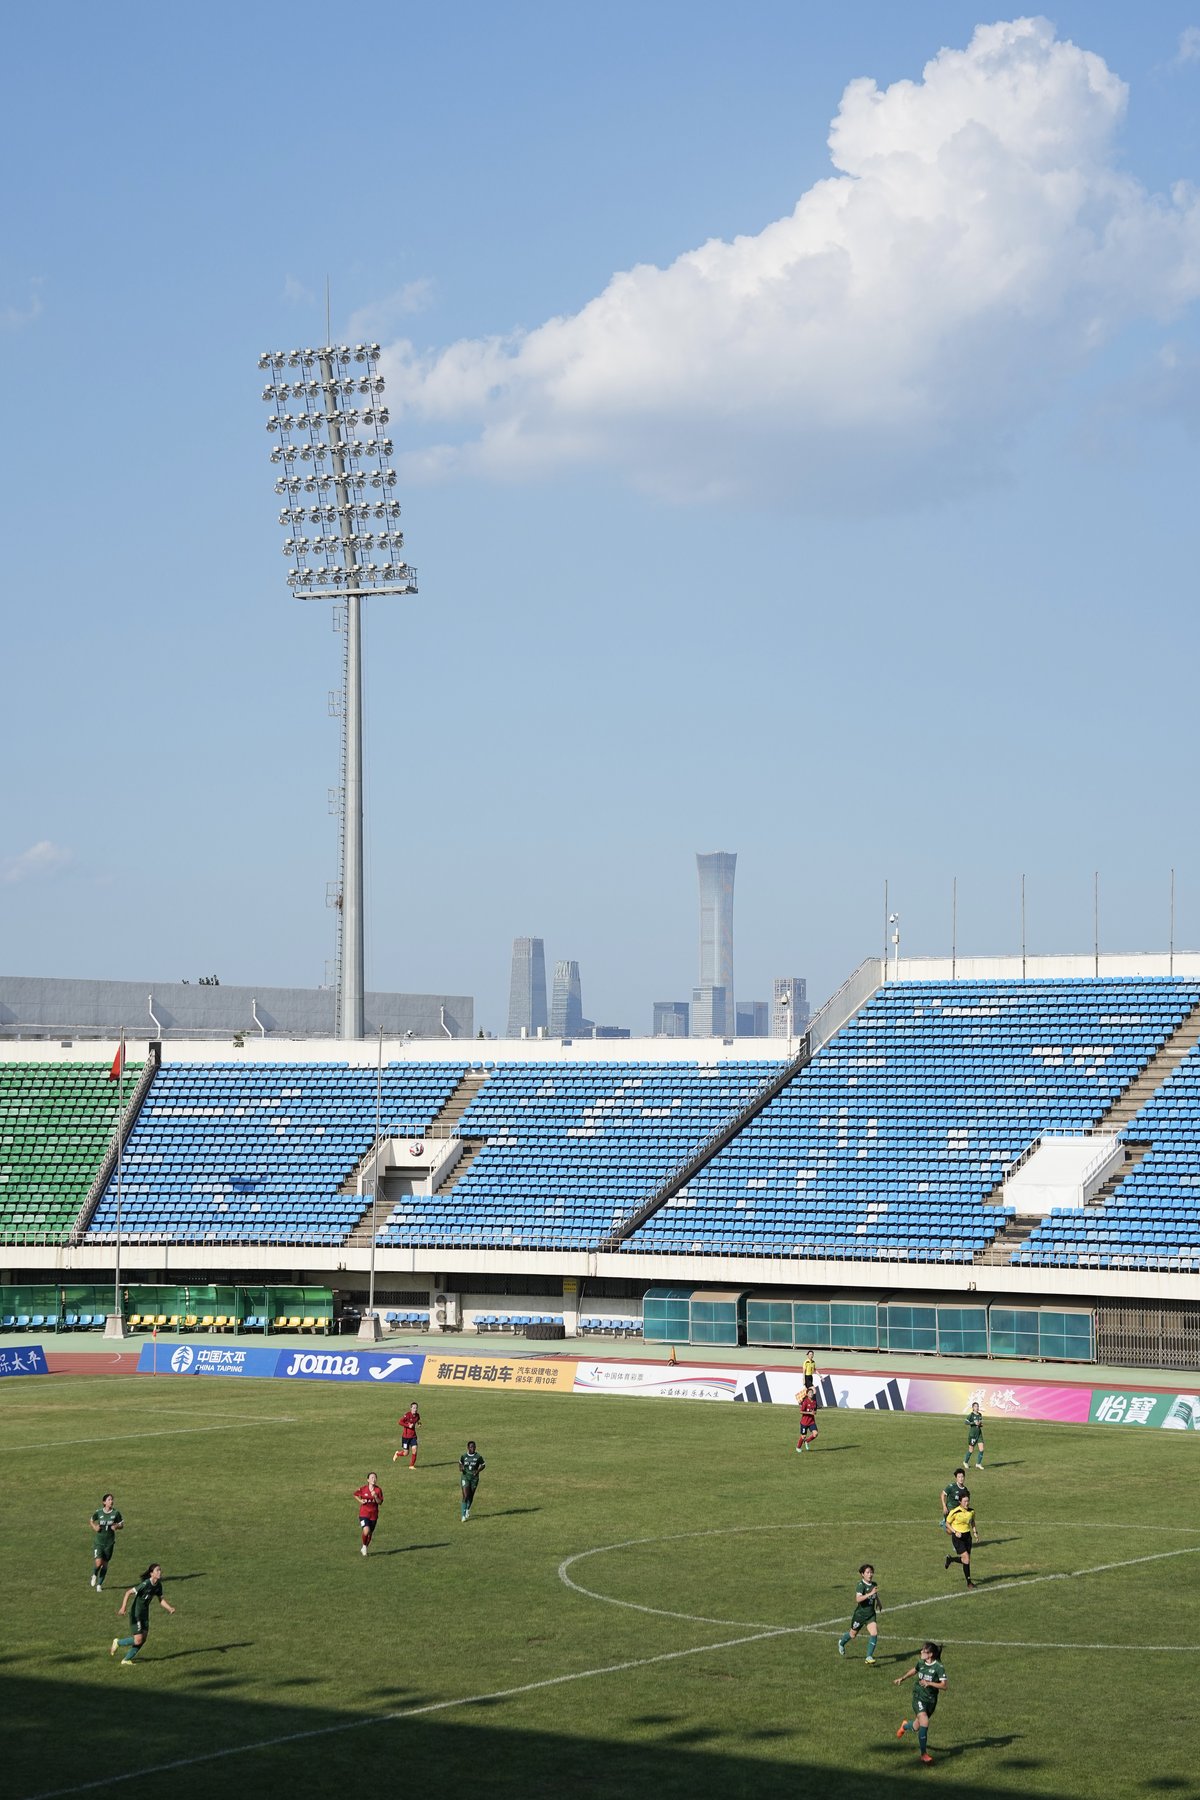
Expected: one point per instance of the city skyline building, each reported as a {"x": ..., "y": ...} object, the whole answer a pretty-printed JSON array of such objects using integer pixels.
[
  {"x": 566, "y": 1001},
  {"x": 751, "y": 1018},
  {"x": 710, "y": 1016},
  {"x": 713, "y": 1004},
  {"x": 527, "y": 988},
  {"x": 672, "y": 1018}
]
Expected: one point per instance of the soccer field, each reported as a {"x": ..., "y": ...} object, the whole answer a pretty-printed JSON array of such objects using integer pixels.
[{"x": 646, "y": 1600}]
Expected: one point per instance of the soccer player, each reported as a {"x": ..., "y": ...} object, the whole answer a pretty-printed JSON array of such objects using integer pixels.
[
  {"x": 952, "y": 1493},
  {"x": 974, "y": 1435},
  {"x": 147, "y": 1589},
  {"x": 370, "y": 1499},
  {"x": 867, "y": 1607},
  {"x": 810, "y": 1369},
  {"x": 408, "y": 1436},
  {"x": 808, "y": 1419},
  {"x": 470, "y": 1467},
  {"x": 105, "y": 1522},
  {"x": 929, "y": 1680},
  {"x": 960, "y": 1523}
]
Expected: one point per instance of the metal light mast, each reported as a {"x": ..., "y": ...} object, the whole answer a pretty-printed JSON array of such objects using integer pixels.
[{"x": 336, "y": 484}]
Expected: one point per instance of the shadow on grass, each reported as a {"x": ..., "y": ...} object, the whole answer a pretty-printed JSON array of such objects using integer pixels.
[
  {"x": 206, "y": 1743},
  {"x": 407, "y": 1549},
  {"x": 507, "y": 1512},
  {"x": 200, "y": 1650}
]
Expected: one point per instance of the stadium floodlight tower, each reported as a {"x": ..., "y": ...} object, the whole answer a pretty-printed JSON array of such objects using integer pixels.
[{"x": 343, "y": 542}]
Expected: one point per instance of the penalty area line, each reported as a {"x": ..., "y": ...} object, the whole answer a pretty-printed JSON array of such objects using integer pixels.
[{"x": 407, "y": 1712}]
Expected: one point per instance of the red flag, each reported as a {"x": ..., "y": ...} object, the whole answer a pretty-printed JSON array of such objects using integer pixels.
[{"x": 118, "y": 1063}]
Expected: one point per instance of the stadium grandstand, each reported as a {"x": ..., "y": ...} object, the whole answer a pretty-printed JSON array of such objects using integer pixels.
[{"x": 992, "y": 1157}]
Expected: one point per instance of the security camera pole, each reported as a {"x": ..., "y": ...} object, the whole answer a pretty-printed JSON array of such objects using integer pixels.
[{"x": 336, "y": 487}]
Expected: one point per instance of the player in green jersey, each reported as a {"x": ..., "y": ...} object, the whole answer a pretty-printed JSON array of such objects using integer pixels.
[
  {"x": 867, "y": 1607},
  {"x": 974, "y": 1435},
  {"x": 929, "y": 1680},
  {"x": 147, "y": 1589},
  {"x": 953, "y": 1492},
  {"x": 470, "y": 1467},
  {"x": 104, "y": 1523}
]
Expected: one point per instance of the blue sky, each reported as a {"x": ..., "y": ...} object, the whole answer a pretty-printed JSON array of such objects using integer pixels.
[{"x": 861, "y": 542}]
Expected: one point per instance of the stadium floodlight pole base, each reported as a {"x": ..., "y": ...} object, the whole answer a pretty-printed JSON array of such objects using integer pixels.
[
  {"x": 369, "y": 1327},
  {"x": 114, "y": 1326}
]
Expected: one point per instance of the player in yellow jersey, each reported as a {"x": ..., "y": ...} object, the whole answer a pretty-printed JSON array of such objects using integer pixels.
[{"x": 960, "y": 1523}]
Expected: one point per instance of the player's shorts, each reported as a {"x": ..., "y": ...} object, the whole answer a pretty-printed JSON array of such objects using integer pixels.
[
  {"x": 973, "y": 1438},
  {"x": 408, "y": 1443},
  {"x": 103, "y": 1544},
  {"x": 140, "y": 1624},
  {"x": 368, "y": 1519},
  {"x": 862, "y": 1616},
  {"x": 961, "y": 1541},
  {"x": 808, "y": 1381},
  {"x": 925, "y": 1703},
  {"x": 468, "y": 1487}
]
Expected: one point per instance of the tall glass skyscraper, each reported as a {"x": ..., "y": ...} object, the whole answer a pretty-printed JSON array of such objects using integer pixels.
[
  {"x": 566, "y": 1001},
  {"x": 527, "y": 989},
  {"x": 713, "y": 1011}
]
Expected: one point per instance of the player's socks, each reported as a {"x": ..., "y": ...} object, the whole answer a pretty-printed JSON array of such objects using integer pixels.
[
  {"x": 949, "y": 1560},
  {"x": 842, "y": 1642},
  {"x": 923, "y": 1738},
  {"x": 872, "y": 1647},
  {"x": 967, "y": 1575}
]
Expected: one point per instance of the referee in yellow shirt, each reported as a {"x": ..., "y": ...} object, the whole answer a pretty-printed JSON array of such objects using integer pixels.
[{"x": 960, "y": 1523}]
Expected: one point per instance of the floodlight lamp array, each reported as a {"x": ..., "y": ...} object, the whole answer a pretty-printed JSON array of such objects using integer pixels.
[{"x": 331, "y": 452}]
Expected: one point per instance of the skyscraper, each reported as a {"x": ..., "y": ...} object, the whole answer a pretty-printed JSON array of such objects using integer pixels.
[
  {"x": 527, "y": 989},
  {"x": 713, "y": 1010},
  {"x": 566, "y": 1001}
]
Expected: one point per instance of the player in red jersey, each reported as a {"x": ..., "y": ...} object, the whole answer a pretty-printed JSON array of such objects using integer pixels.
[
  {"x": 408, "y": 1436},
  {"x": 370, "y": 1499},
  {"x": 808, "y": 1419}
]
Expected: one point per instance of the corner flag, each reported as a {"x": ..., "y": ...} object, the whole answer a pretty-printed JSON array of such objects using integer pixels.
[{"x": 118, "y": 1062}]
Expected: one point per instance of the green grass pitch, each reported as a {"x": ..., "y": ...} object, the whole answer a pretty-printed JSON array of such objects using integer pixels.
[{"x": 700, "y": 1661}]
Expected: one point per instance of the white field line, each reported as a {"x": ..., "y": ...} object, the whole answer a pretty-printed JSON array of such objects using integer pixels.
[
  {"x": 963, "y": 1593},
  {"x": 621, "y": 1668},
  {"x": 117, "y": 1437}
]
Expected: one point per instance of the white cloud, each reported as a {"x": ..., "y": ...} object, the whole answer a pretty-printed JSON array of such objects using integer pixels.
[
  {"x": 978, "y": 241},
  {"x": 381, "y": 316},
  {"x": 1189, "y": 45},
  {"x": 15, "y": 318},
  {"x": 40, "y": 859},
  {"x": 296, "y": 294}
]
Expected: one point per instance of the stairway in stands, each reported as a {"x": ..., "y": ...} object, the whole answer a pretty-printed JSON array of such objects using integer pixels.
[{"x": 444, "y": 1125}]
